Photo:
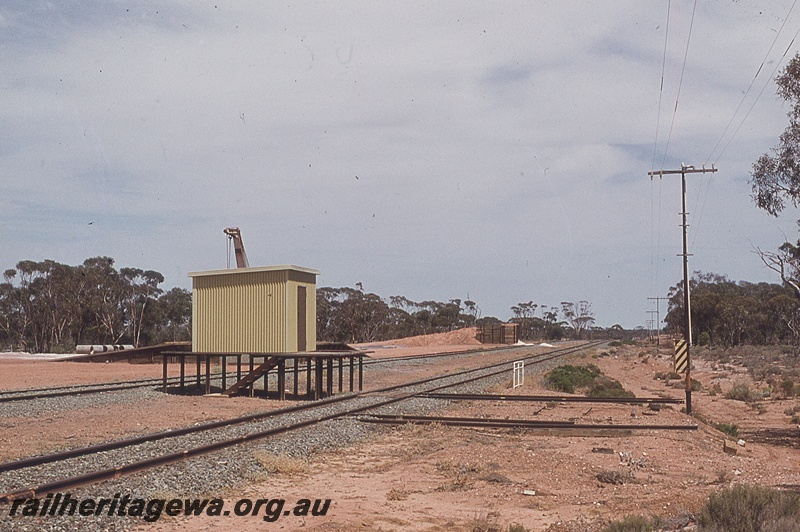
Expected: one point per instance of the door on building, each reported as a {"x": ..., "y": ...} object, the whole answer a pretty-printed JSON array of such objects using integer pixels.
[{"x": 302, "y": 344}]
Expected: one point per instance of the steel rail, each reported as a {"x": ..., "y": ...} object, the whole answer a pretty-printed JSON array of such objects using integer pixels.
[
  {"x": 511, "y": 423},
  {"x": 171, "y": 433},
  {"x": 406, "y": 417},
  {"x": 73, "y": 386},
  {"x": 127, "y": 442},
  {"x": 81, "y": 389},
  {"x": 487, "y": 423},
  {"x": 84, "y": 389},
  {"x": 115, "y": 472},
  {"x": 551, "y": 398},
  {"x": 445, "y": 354}
]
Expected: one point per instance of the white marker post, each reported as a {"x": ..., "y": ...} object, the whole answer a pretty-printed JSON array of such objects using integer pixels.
[{"x": 519, "y": 374}]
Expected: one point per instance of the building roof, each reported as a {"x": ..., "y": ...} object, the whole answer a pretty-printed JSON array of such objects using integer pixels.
[{"x": 234, "y": 271}]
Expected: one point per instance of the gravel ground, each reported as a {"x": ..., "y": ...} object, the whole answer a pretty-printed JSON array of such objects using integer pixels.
[
  {"x": 210, "y": 475},
  {"x": 93, "y": 399},
  {"x": 48, "y": 405}
]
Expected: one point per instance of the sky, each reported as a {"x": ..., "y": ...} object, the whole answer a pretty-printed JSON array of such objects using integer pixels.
[{"x": 492, "y": 151}]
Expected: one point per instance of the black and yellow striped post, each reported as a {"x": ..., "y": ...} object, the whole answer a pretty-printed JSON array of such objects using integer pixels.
[
  {"x": 682, "y": 364},
  {"x": 681, "y": 359}
]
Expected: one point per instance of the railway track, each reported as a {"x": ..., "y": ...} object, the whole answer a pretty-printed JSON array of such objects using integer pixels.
[
  {"x": 512, "y": 423},
  {"x": 27, "y": 394},
  {"x": 553, "y": 398},
  {"x": 250, "y": 428}
]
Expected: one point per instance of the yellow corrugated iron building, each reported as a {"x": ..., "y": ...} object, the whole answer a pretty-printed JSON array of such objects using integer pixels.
[{"x": 270, "y": 309}]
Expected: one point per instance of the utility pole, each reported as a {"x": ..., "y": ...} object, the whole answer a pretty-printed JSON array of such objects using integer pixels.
[
  {"x": 658, "y": 321},
  {"x": 687, "y": 325},
  {"x": 651, "y": 321}
]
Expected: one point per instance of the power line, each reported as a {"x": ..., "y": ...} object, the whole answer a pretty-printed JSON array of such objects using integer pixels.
[
  {"x": 680, "y": 84},
  {"x": 777, "y": 66},
  {"x": 752, "y": 82},
  {"x": 657, "y": 228},
  {"x": 661, "y": 88},
  {"x": 750, "y": 110}
]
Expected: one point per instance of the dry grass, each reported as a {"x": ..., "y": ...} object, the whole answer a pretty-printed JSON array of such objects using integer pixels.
[
  {"x": 486, "y": 521},
  {"x": 748, "y": 508},
  {"x": 461, "y": 475},
  {"x": 281, "y": 464},
  {"x": 396, "y": 494},
  {"x": 611, "y": 477}
]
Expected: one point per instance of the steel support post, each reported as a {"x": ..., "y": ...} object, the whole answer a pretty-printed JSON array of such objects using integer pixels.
[
  {"x": 308, "y": 376},
  {"x": 224, "y": 372},
  {"x": 164, "y": 374},
  {"x": 183, "y": 371},
  {"x": 352, "y": 371},
  {"x": 296, "y": 375},
  {"x": 252, "y": 387},
  {"x": 282, "y": 379},
  {"x": 266, "y": 378},
  {"x": 208, "y": 374},
  {"x": 318, "y": 370},
  {"x": 329, "y": 380}
]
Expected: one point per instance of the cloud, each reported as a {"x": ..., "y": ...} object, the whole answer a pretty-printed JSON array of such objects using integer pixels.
[{"x": 424, "y": 150}]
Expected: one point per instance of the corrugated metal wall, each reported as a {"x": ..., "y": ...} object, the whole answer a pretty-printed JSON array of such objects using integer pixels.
[{"x": 254, "y": 311}]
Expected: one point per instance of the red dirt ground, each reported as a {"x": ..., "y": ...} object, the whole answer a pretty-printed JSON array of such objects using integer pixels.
[{"x": 444, "y": 478}]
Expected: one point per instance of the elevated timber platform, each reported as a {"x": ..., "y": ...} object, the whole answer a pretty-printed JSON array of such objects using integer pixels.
[{"x": 317, "y": 368}]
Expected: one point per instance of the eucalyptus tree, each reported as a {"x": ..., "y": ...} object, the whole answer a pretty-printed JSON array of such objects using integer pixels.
[
  {"x": 579, "y": 316},
  {"x": 140, "y": 291},
  {"x": 775, "y": 178}
]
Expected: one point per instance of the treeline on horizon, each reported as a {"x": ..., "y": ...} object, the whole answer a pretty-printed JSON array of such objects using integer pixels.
[
  {"x": 354, "y": 316},
  {"x": 52, "y": 307},
  {"x": 726, "y": 313},
  {"x": 48, "y": 306}
]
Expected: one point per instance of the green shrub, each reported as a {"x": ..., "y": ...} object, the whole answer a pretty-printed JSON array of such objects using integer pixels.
[
  {"x": 567, "y": 377},
  {"x": 605, "y": 387},
  {"x": 748, "y": 508},
  {"x": 731, "y": 429},
  {"x": 695, "y": 385},
  {"x": 667, "y": 376},
  {"x": 787, "y": 387},
  {"x": 741, "y": 391},
  {"x": 704, "y": 338},
  {"x": 615, "y": 343}
]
